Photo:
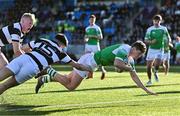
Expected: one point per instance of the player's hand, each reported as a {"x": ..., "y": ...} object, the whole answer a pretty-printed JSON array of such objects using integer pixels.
[
  {"x": 103, "y": 75},
  {"x": 171, "y": 45},
  {"x": 151, "y": 93},
  {"x": 153, "y": 41},
  {"x": 86, "y": 40}
]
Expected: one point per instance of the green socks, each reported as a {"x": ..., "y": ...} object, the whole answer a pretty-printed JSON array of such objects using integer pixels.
[
  {"x": 51, "y": 73},
  {"x": 46, "y": 79}
]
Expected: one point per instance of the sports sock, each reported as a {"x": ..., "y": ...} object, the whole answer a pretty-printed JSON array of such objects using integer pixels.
[
  {"x": 46, "y": 79},
  {"x": 51, "y": 72}
]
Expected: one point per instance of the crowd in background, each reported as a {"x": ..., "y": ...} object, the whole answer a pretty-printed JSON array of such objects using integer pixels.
[
  {"x": 53, "y": 16},
  {"x": 125, "y": 22}
]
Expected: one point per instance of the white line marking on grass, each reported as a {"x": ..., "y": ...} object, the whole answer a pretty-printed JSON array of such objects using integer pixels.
[{"x": 89, "y": 104}]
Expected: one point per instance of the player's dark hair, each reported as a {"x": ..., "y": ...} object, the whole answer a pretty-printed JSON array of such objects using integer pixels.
[
  {"x": 140, "y": 46},
  {"x": 157, "y": 17},
  {"x": 93, "y": 16},
  {"x": 62, "y": 39}
]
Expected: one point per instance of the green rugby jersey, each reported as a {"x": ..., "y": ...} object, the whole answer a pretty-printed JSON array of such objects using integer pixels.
[
  {"x": 107, "y": 55},
  {"x": 166, "y": 44},
  {"x": 93, "y": 30},
  {"x": 177, "y": 47},
  {"x": 157, "y": 33}
]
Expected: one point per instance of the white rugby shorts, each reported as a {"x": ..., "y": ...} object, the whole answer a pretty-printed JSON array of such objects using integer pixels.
[
  {"x": 166, "y": 56},
  {"x": 154, "y": 54},
  {"x": 87, "y": 60},
  {"x": 92, "y": 48},
  {"x": 23, "y": 67}
]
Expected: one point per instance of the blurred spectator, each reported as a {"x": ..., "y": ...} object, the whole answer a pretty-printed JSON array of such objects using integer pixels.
[
  {"x": 177, "y": 47},
  {"x": 122, "y": 22}
]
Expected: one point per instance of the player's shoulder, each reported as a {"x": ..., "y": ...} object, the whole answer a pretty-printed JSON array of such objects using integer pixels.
[
  {"x": 96, "y": 26},
  {"x": 88, "y": 27},
  {"x": 163, "y": 27},
  {"x": 16, "y": 25},
  {"x": 51, "y": 43},
  {"x": 151, "y": 27},
  {"x": 42, "y": 39},
  {"x": 177, "y": 43},
  {"x": 124, "y": 47}
]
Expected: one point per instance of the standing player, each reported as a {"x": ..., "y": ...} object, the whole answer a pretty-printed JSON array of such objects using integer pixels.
[
  {"x": 12, "y": 34},
  {"x": 92, "y": 36},
  {"x": 166, "y": 55},
  {"x": 155, "y": 39},
  {"x": 177, "y": 47},
  {"x": 44, "y": 53},
  {"x": 120, "y": 55}
]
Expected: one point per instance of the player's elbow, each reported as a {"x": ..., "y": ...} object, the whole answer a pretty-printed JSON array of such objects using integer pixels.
[{"x": 117, "y": 65}]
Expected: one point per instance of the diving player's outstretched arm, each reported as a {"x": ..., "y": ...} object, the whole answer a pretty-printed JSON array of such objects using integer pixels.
[
  {"x": 136, "y": 79},
  {"x": 122, "y": 66}
]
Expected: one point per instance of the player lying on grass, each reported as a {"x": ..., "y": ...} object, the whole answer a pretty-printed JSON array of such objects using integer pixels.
[
  {"x": 44, "y": 53},
  {"x": 120, "y": 55}
]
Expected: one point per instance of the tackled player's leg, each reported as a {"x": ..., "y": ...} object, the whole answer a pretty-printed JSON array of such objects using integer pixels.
[
  {"x": 71, "y": 81},
  {"x": 5, "y": 73},
  {"x": 3, "y": 60},
  {"x": 11, "y": 82}
]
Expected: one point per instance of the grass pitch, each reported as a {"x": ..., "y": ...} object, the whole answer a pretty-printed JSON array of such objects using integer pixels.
[{"x": 117, "y": 94}]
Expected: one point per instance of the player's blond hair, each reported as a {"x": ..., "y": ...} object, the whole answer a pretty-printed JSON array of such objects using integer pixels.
[{"x": 29, "y": 15}]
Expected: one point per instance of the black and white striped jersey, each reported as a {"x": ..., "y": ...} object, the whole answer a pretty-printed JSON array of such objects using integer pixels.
[
  {"x": 46, "y": 52},
  {"x": 11, "y": 33}
]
